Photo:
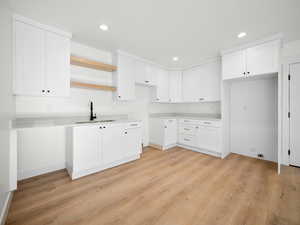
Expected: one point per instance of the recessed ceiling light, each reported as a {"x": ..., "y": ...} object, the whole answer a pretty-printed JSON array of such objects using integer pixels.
[
  {"x": 241, "y": 35},
  {"x": 103, "y": 27},
  {"x": 175, "y": 58}
]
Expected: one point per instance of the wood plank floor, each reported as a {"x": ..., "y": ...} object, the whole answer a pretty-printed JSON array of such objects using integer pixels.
[{"x": 175, "y": 187}]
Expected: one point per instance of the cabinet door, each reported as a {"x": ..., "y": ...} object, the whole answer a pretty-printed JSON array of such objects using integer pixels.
[
  {"x": 86, "y": 147},
  {"x": 132, "y": 142},
  {"x": 113, "y": 140},
  {"x": 29, "y": 60},
  {"x": 125, "y": 78},
  {"x": 210, "y": 82},
  {"x": 208, "y": 138},
  {"x": 170, "y": 132},
  {"x": 190, "y": 85},
  {"x": 233, "y": 65},
  {"x": 175, "y": 86},
  {"x": 162, "y": 88},
  {"x": 57, "y": 62},
  {"x": 263, "y": 59},
  {"x": 141, "y": 71}
]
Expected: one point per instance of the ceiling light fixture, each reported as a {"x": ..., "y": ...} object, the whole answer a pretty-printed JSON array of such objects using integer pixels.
[
  {"x": 175, "y": 58},
  {"x": 103, "y": 27},
  {"x": 241, "y": 35}
]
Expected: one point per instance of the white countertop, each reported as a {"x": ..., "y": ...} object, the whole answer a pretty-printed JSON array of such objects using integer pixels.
[
  {"x": 209, "y": 117},
  {"x": 24, "y": 123}
]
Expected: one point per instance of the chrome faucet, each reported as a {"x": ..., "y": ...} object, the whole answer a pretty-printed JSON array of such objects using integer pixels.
[{"x": 92, "y": 115}]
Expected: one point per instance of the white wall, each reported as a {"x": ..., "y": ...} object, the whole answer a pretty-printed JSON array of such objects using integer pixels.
[
  {"x": 7, "y": 103},
  {"x": 253, "y": 119}
]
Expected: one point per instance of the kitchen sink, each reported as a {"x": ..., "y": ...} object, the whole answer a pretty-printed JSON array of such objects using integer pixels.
[{"x": 96, "y": 121}]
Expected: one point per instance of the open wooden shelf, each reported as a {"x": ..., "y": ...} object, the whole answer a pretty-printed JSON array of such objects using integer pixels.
[
  {"x": 78, "y": 61},
  {"x": 92, "y": 86}
]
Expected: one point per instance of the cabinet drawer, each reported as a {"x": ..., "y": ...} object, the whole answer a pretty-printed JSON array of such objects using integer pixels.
[
  {"x": 189, "y": 140},
  {"x": 210, "y": 123},
  {"x": 187, "y": 129},
  {"x": 188, "y": 121}
]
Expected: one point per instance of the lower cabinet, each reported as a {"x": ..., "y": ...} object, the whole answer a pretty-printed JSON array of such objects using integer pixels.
[
  {"x": 209, "y": 138},
  {"x": 202, "y": 136},
  {"x": 163, "y": 133},
  {"x": 92, "y": 148}
]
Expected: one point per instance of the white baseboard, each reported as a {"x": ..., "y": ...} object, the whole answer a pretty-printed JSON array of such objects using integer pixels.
[
  {"x": 32, "y": 173},
  {"x": 5, "y": 209},
  {"x": 216, "y": 154},
  {"x": 77, "y": 174}
]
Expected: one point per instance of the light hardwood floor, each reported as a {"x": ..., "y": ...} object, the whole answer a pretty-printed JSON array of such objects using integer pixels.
[{"x": 175, "y": 187}]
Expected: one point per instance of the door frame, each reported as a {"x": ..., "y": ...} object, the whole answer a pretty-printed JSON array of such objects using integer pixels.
[{"x": 285, "y": 158}]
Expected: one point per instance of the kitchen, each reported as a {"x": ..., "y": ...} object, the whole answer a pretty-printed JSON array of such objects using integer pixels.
[{"x": 88, "y": 111}]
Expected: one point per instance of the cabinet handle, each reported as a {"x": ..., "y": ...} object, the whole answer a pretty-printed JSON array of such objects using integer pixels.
[
  {"x": 201, "y": 99},
  {"x": 165, "y": 126},
  {"x": 147, "y": 81},
  {"x": 186, "y": 139},
  {"x": 244, "y": 73},
  {"x": 48, "y": 91},
  {"x": 104, "y": 127},
  {"x": 186, "y": 129},
  {"x": 43, "y": 91},
  {"x": 207, "y": 122},
  {"x": 186, "y": 121},
  {"x": 126, "y": 132},
  {"x": 100, "y": 127},
  {"x": 248, "y": 72},
  {"x": 157, "y": 99},
  {"x": 119, "y": 96},
  {"x": 133, "y": 124},
  {"x": 197, "y": 127}
]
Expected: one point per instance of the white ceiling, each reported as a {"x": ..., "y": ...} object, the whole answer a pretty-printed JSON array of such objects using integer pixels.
[{"x": 160, "y": 29}]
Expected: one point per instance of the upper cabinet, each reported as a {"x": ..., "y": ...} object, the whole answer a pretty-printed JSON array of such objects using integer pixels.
[
  {"x": 160, "y": 93},
  {"x": 258, "y": 60},
  {"x": 203, "y": 83},
  {"x": 145, "y": 73},
  {"x": 41, "y": 59},
  {"x": 175, "y": 86},
  {"x": 124, "y": 77}
]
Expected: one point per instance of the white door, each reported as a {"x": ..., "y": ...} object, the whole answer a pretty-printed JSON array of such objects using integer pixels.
[
  {"x": 113, "y": 143},
  {"x": 210, "y": 82},
  {"x": 132, "y": 141},
  {"x": 234, "y": 65},
  {"x": 190, "y": 85},
  {"x": 125, "y": 78},
  {"x": 175, "y": 86},
  {"x": 57, "y": 62},
  {"x": 263, "y": 59},
  {"x": 86, "y": 147},
  {"x": 162, "y": 87},
  {"x": 295, "y": 114},
  {"x": 170, "y": 132},
  {"x": 208, "y": 138},
  {"x": 29, "y": 60}
]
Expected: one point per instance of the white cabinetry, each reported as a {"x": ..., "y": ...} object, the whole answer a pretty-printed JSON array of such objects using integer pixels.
[
  {"x": 41, "y": 60},
  {"x": 175, "y": 86},
  {"x": 87, "y": 151},
  {"x": 209, "y": 137},
  {"x": 124, "y": 78},
  {"x": 258, "y": 60},
  {"x": 145, "y": 73},
  {"x": 203, "y": 83},
  {"x": 92, "y": 148},
  {"x": 113, "y": 139},
  {"x": 160, "y": 93},
  {"x": 163, "y": 132},
  {"x": 200, "y": 135}
]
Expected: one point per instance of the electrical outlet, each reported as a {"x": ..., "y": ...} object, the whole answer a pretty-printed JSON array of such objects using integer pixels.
[{"x": 260, "y": 155}]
